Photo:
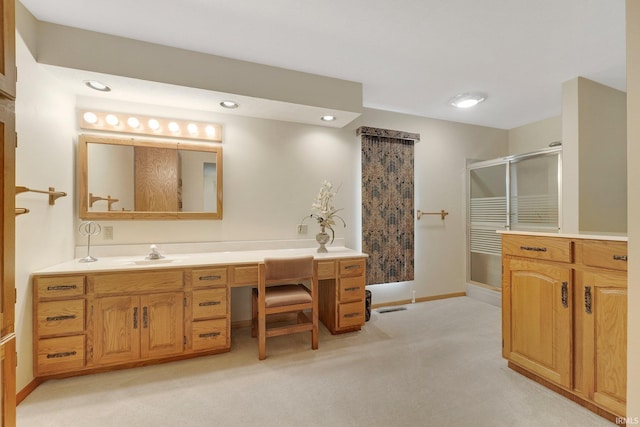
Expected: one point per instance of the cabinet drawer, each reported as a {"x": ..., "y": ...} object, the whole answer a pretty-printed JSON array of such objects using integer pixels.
[
  {"x": 351, "y": 288},
  {"x": 352, "y": 267},
  {"x": 245, "y": 275},
  {"x": 548, "y": 248},
  {"x": 209, "y": 277},
  {"x": 605, "y": 254},
  {"x": 209, "y": 303},
  {"x": 60, "y": 287},
  {"x": 209, "y": 334},
  {"x": 350, "y": 314},
  {"x": 326, "y": 269},
  {"x": 149, "y": 281},
  {"x": 60, "y": 317},
  {"x": 60, "y": 354}
]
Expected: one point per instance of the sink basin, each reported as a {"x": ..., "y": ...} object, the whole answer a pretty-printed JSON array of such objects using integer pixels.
[{"x": 151, "y": 261}]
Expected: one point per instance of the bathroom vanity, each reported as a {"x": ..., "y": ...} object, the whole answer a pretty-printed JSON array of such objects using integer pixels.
[
  {"x": 127, "y": 311},
  {"x": 564, "y": 315}
]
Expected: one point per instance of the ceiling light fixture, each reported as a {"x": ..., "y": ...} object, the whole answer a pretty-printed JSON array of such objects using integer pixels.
[
  {"x": 467, "y": 100},
  {"x": 107, "y": 121},
  {"x": 328, "y": 118},
  {"x": 229, "y": 104},
  {"x": 96, "y": 85}
]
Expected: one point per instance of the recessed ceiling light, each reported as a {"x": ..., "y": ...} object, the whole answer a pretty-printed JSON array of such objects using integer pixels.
[
  {"x": 96, "y": 85},
  {"x": 328, "y": 118},
  {"x": 468, "y": 100},
  {"x": 229, "y": 104}
]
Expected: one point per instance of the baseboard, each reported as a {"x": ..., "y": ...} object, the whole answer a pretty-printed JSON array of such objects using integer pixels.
[
  {"x": 26, "y": 391},
  {"x": 484, "y": 294},
  {"x": 421, "y": 299}
]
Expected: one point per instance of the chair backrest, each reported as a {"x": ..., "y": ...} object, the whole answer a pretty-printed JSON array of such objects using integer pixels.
[{"x": 292, "y": 268}]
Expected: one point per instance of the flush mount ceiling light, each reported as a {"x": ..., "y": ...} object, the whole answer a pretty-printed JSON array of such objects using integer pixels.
[
  {"x": 467, "y": 100},
  {"x": 96, "y": 85},
  {"x": 229, "y": 104},
  {"x": 146, "y": 125},
  {"x": 328, "y": 118}
]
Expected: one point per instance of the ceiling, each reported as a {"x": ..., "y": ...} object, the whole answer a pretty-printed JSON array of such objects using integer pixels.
[{"x": 411, "y": 56}]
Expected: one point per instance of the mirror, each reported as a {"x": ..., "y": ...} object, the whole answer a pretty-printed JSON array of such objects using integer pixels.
[{"x": 121, "y": 178}]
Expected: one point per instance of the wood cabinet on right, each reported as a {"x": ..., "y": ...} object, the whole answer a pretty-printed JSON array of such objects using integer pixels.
[{"x": 565, "y": 316}]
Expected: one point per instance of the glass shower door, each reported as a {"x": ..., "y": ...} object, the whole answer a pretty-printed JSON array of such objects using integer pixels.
[{"x": 487, "y": 212}]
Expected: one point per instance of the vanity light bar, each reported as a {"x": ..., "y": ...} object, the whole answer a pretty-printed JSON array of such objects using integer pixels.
[{"x": 148, "y": 125}]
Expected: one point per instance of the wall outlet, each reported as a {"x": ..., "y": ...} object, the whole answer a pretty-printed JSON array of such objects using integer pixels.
[
  {"x": 302, "y": 228},
  {"x": 107, "y": 232}
]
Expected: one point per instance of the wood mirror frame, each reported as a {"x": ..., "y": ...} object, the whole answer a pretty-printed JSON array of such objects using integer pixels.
[{"x": 154, "y": 212}]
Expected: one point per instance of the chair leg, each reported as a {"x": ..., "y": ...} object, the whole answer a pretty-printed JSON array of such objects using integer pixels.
[
  {"x": 314, "y": 330},
  {"x": 262, "y": 336},
  {"x": 254, "y": 313}
]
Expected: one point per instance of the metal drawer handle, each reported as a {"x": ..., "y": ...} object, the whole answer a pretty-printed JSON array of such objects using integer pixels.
[
  {"x": 61, "y": 287},
  {"x": 587, "y": 299},
  {"x": 353, "y": 288},
  {"x": 352, "y": 266},
  {"x": 349, "y": 315},
  {"x": 207, "y": 303},
  {"x": 620, "y": 257},
  {"x": 145, "y": 318},
  {"x": 209, "y": 335},
  {"x": 565, "y": 295},
  {"x": 67, "y": 317},
  {"x": 209, "y": 277},
  {"x": 135, "y": 317},
  {"x": 533, "y": 248},
  {"x": 64, "y": 354}
]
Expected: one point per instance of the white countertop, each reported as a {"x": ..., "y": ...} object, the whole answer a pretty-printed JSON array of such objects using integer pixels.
[
  {"x": 618, "y": 237},
  {"x": 120, "y": 263}
]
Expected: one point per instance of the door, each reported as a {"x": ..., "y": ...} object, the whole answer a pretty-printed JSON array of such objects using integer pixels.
[
  {"x": 537, "y": 328},
  {"x": 116, "y": 330},
  {"x": 162, "y": 332},
  {"x": 602, "y": 320},
  {"x": 156, "y": 179}
]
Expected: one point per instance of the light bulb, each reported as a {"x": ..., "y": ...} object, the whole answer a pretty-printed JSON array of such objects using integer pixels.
[
  {"x": 173, "y": 127},
  {"x": 210, "y": 131},
  {"x": 154, "y": 124},
  {"x": 133, "y": 122},
  {"x": 112, "y": 119},
  {"x": 90, "y": 117},
  {"x": 192, "y": 128}
]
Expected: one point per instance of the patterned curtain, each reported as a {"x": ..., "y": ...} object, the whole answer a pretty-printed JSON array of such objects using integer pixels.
[{"x": 387, "y": 204}]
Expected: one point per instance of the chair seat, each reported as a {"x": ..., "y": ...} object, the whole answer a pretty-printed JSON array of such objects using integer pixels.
[{"x": 278, "y": 296}]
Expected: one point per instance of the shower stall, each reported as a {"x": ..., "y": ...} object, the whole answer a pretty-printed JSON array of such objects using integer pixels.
[{"x": 519, "y": 192}]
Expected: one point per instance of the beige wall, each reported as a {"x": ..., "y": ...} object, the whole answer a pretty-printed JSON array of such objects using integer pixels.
[
  {"x": 633, "y": 160},
  {"x": 535, "y": 136},
  {"x": 594, "y": 175}
]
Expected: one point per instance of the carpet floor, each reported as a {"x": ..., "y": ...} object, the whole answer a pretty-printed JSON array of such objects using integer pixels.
[{"x": 436, "y": 363}]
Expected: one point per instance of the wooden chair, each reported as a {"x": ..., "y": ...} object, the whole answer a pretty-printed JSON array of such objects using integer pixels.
[{"x": 280, "y": 290}]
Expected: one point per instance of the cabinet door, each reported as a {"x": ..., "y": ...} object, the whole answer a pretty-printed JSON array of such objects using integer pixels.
[
  {"x": 602, "y": 320},
  {"x": 162, "y": 324},
  {"x": 537, "y": 322},
  {"x": 8, "y": 49},
  {"x": 117, "y": 323}
]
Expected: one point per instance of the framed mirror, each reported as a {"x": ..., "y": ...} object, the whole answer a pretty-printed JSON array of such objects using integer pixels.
[{"x": 126, "y": 178}]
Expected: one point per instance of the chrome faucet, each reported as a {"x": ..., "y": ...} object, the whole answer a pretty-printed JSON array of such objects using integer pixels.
[{"x": 154, "y": 254}]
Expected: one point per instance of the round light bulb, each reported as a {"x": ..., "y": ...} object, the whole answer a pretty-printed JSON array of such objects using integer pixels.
[
  {"x": 90, "y": 117},
  {"x": 133, "y": 122},
  {"x": 173, "y": 127},
  {"x": 192, "y": 128},
  {"x": 210, "y": 131},
  {"x": 153, "y": 124},
  {"x": 112, "y": 119}
]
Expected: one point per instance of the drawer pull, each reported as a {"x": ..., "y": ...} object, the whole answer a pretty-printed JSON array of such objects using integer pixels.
[
  {"x": 145, "y": 317},
  {"x": 619, "y": 257},
  {"x": 209, "y": 277},
  {"x": 135, "y": 317},
  {"x": 209, "y": 335},
  {"x": 350, "y": 315},
  {"x": 532, "y": 248},
  {"x": 352, "y": 266},
  {"x": 353, "y": 288},
  {"x": 208, "y": 303},
  {"x": 67, "y": 317},
  {"x": 587, "y": 299},
  {"x": 61, "y": 287},
  {"x": 63, "y": 354},
  {"x": 564, "y": 297}
]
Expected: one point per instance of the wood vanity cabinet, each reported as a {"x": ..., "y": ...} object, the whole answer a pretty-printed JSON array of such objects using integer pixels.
[
  {"x": 342, "y": 293},
  {"x": 564, "y": 305}
]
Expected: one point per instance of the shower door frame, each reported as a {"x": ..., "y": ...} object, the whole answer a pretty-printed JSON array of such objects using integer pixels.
[{"x": 508, "y": 161}]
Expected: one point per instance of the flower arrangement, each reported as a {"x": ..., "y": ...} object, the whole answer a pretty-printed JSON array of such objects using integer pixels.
[{"x": 325, "y": 211}]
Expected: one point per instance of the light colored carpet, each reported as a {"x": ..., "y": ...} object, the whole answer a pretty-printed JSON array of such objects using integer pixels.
[{"x": 437, "y": 363}]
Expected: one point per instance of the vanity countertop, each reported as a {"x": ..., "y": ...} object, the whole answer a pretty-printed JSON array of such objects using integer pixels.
[
  {"x": 124, "y": 263},
  {"x": 619, "y": 237}
]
